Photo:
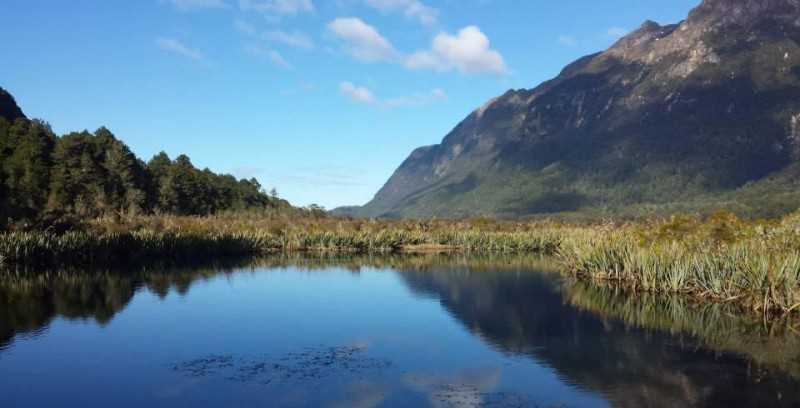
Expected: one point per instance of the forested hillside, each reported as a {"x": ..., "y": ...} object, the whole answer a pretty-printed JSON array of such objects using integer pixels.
[{"x": 82, "y": 174}]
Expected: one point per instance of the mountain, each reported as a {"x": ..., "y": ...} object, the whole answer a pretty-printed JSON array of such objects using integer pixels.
[
  {"x": 703, "y": 113},
  {"x": 8, "y": 107}
]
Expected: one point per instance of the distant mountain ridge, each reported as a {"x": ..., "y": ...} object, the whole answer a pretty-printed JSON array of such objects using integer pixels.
[{"x": 701, "y": 113}]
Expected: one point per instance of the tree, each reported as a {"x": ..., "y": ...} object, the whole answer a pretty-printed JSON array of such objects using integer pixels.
[
  {"x": 78, "y": 177},
  {"x": 126, "y": 182},
  {"x": 26, "y": 152},
  {"x": 88, "y": 175}
]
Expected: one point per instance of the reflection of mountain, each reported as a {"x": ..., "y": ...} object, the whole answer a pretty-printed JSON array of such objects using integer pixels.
[{"x": 525, "y": 314}]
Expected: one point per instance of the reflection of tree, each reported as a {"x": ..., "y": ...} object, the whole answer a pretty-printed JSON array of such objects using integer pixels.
[
  {"x": 30, "y": 305},
  {"x": 29, "y": 302},
  {"x": 525, "y": 313}
]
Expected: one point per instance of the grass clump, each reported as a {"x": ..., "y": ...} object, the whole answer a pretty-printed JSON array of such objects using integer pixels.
[{"x": 722, "y": 258}]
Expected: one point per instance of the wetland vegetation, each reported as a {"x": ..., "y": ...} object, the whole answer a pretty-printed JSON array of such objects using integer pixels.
[{"x": 754, "y": 264}]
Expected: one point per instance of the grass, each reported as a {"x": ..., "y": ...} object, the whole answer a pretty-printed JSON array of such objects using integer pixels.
[
  {"x": 723, "y": 259},
  {"x": 755, "y": 264},
  {"x": 106, "y": 242}
]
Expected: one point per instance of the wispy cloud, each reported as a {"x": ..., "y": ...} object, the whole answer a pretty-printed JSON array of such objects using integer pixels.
[
  {"x": 268, "y": 54},
  {"x": 413, "y": 9},
  {"x": 295, "y": 39},
  {"x": 567, "y": 40},
  {"x": 469, "y": 52},
  {"x": 420, "y": 99},
  {"x": 617, "y": 32},
  {"x": 356, "y": 93},
  {"x": 362, "y": 40},
  {"x": 285, "y": 7},
  {"x": 244, "y": 27},
  {"x": 185, "y": 5},
  {"x": 326, "y": 176},
  {"x": 177, "y": 47},
  {"x": 364, "y": 95},
  {"x": 247, "y": 171}
]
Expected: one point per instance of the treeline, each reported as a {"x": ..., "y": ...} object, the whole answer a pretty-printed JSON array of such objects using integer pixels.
[{"x": 82, "y": 174}]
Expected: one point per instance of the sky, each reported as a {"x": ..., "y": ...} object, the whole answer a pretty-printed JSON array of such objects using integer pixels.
[{"x": 321, "y": 99}]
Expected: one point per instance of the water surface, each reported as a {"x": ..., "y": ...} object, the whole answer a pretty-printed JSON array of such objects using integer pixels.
[{"x": 435, "y": 330}]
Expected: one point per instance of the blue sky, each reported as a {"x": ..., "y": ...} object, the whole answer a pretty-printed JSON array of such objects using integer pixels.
[{"x": 321, "y": 99}]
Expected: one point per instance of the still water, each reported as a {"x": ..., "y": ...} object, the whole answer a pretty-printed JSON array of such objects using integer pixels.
[{"x": 417, "y": 331}]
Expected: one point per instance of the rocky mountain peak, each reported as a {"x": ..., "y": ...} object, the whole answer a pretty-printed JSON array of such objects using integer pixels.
[{"x": 745, "y": 12}]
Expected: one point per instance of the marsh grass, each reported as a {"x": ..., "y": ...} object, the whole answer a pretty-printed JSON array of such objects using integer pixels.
[
  {"x": 754, "y": 264},
  {"x": 109, "y": 242}
]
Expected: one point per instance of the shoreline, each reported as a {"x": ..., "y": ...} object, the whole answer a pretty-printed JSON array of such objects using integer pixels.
[{"x": 754, "y": 264}]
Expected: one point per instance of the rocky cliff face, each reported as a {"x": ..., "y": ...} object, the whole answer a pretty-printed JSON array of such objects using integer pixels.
[
  {"x": 668, "y": 114},
  {"x": 8, "y": 107}
]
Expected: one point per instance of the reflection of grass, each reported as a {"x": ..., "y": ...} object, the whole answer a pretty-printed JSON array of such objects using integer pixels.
[{"x": 774, "y": 342}]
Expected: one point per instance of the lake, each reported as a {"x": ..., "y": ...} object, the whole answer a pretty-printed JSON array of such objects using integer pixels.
[{"x": 406, "y": 331}]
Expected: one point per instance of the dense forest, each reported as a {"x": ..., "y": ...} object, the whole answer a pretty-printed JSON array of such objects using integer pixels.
[{"x": 82, "y": 174}]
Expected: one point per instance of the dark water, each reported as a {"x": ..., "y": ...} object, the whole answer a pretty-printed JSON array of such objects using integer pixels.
[{"x": 440, "y": 331}]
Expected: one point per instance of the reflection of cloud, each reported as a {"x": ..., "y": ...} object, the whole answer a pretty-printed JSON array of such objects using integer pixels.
[
  {"x": 363, "y": 395},
  {"x": 465, "y": 389},
  {"x": 177, "y": 390}
]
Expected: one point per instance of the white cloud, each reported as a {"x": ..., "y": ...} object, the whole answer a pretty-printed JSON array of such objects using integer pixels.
[
  {"x": 469, "y": 52},
  {"x": 363, "y": 41},
  {"x": 567, "y": 40},
  {"x": 290, "y": 7},
  {"x": 270, "y": 55},
  {"x": 422, "y": 99},
  {"x": 295, "y": 39},
  {"x": 365, "y": 95},
  {"x": 617, "y": 32},
  {"x": 358, "y": 94},
  {"x": 176, "y": 47},
  {"x": 197, "y": 4},
  {"x": 413, "y": 9},
  {"x": 244, "y": 27}
]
